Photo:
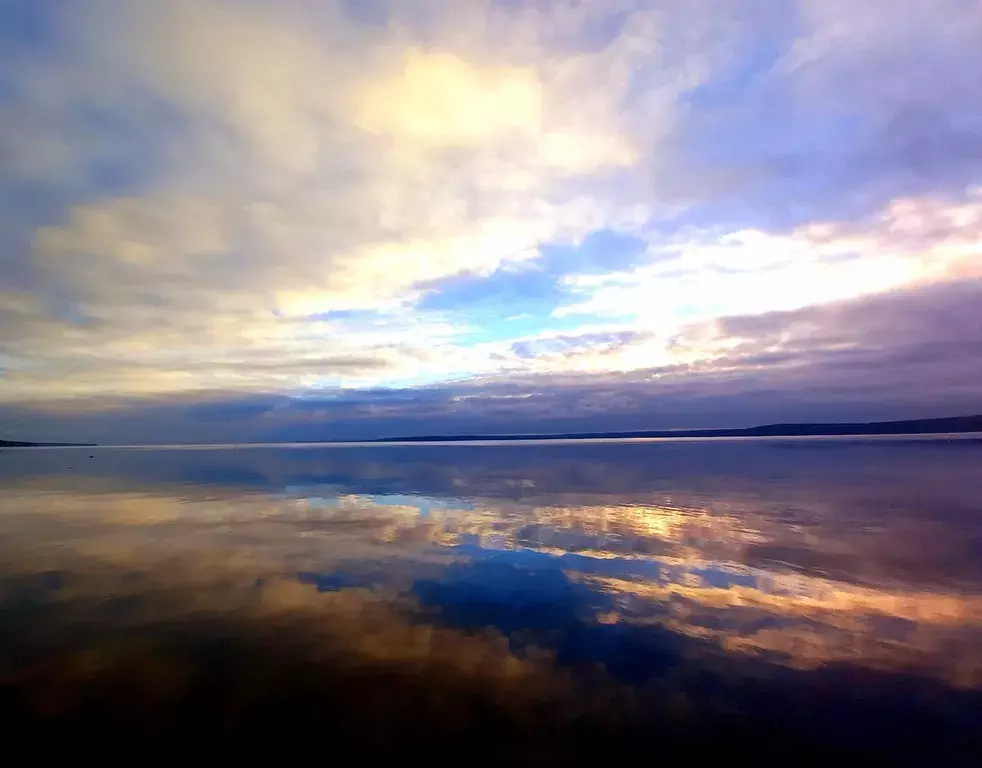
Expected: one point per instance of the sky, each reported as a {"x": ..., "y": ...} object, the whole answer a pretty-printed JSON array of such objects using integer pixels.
[{"x": 228, "y": 220}]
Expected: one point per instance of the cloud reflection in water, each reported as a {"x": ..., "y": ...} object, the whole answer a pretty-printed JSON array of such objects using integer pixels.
[{"x": 598, "y": 582}]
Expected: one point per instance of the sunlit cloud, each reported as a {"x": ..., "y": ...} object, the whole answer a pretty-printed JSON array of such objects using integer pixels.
[
  {"x": 214, "y": 199},
  {"x": 441, "y": 100},
  {"x": 911, "y": 242}
]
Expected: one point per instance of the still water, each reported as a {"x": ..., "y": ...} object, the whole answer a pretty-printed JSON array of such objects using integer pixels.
[{"x": 531, "y": 602}]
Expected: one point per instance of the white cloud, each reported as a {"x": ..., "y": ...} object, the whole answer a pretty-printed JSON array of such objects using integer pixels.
[
  {"x": 313, "y": 165},
  {"x": 440, "y": 99},
  {"x": 217, "y": 172},
  {"x": 912, "y": 241}
]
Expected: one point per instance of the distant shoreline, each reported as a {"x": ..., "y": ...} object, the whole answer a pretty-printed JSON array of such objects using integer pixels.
[
  {"x": 910, "y": 427},
  {"x": 953, "y": 425},
  {"x": 19, "y": 444}
]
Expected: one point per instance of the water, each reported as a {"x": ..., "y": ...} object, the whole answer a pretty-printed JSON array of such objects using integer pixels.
[{"x": 535, "y": 603}]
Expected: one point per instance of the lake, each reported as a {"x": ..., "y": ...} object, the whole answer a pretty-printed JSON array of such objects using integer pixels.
[{"x": 537, "y": 603}]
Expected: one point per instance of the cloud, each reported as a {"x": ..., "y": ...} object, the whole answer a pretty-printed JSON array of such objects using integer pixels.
[
  {"x": 911, "y": 241},
  {"x": 441, "y": 100},
  {"x": 887, "y": 356},
  {"x": 225, "y": 199},
  {"x": 298, "y": 181},
  {"x": 892, "y": 356}
]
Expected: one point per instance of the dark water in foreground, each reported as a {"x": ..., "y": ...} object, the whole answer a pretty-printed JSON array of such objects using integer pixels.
[{"x": 531, "y": 603}]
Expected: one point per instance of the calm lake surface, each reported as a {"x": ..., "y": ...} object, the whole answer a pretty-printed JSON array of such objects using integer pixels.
[{"x": 537, "y": 603}]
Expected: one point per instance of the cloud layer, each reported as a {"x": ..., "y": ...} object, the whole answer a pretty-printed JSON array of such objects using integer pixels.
[{"x": 212, "y": 202}]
